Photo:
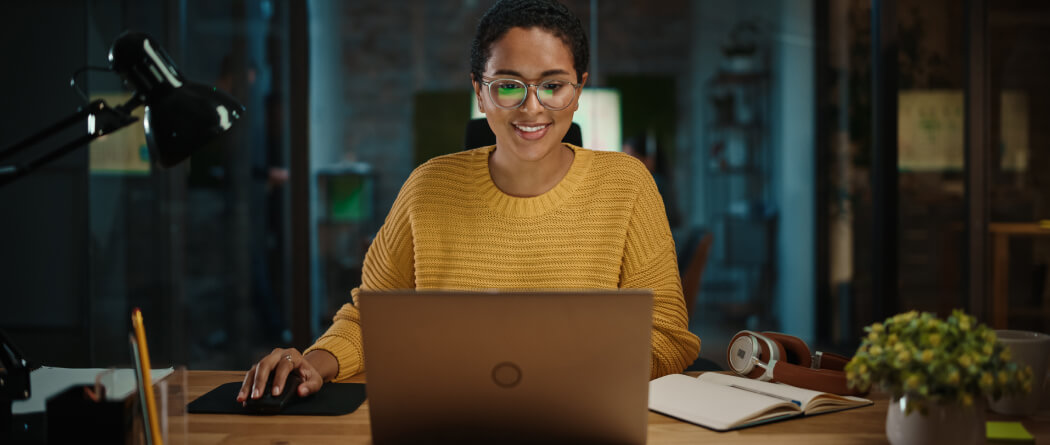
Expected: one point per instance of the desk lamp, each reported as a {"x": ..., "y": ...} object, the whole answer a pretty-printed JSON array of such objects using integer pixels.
[
  {"x": 181, "y": 116},
  {"x": 14, "y": 381}
]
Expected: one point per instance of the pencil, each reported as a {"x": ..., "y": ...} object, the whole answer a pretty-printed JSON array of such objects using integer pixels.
[
  {"x": 147, "y": 381},
  {"x": 138, "y": 384}
]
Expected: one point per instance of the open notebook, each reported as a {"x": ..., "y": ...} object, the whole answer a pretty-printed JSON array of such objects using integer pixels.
[{"x": 725, "y": 402}]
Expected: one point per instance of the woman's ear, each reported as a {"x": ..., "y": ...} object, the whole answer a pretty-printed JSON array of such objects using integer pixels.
[
  {"x": 477, "y": 93},
  {"x": 583, "y": 81}
]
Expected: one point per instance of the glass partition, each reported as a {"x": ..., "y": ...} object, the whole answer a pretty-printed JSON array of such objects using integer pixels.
[
  {"x": 1019, "y": 100},
  {"x": 201, "y": 247}
]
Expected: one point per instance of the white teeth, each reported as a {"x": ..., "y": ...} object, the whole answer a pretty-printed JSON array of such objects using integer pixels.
[{"x": 530, "y": 129}]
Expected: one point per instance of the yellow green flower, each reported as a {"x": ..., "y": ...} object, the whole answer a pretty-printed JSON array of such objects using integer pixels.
[
  {"x": 953, "y": 378},
  {"x": 905, "y": 317},
  {"x": 955, "y": 361},
  {"x": 903, "y": 356},
  {"x": 986, "y": 380},
  {"x": 927, "y": 356},
  {"x": 913, "y": 382}
]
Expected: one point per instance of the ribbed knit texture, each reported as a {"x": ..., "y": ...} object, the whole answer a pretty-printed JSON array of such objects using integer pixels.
[{"x": 602, "y": 227}]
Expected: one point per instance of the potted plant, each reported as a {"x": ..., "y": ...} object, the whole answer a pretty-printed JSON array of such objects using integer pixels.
[{"x": 938, "y": 372}]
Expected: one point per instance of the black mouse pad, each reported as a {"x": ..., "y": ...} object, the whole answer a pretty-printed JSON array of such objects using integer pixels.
[{"x": 334, "y": 399}]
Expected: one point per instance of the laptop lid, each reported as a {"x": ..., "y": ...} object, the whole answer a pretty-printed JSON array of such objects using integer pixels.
[{"x": 507, "y": 366}]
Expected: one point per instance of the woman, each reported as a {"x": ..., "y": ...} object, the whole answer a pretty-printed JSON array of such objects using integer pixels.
[{"x": 529, "y": 212}]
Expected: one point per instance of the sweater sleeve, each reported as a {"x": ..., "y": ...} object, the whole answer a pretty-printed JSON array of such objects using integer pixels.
[
  {"x": 388, "y": 265},
  {"x": 650, "y": 263}
]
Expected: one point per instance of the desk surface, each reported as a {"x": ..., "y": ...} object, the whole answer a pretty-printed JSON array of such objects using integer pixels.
[{"x": 858, "y": 426}]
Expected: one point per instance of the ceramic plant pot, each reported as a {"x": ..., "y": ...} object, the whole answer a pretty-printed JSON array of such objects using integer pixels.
[{"x": 942, "y": 424}]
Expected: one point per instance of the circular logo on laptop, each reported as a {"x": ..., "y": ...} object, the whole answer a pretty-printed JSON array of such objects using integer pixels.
[{"x": 506, "y": 375}]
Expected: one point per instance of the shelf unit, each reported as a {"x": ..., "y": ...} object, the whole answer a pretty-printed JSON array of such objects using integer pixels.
[{"x": 739, "y": 204}]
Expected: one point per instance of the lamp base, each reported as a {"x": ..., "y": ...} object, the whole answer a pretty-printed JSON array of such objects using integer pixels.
[{"x": 6, "y": 426}]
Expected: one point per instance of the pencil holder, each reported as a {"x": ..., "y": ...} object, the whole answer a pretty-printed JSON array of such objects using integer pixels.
[{"x": 74, "y": 417}]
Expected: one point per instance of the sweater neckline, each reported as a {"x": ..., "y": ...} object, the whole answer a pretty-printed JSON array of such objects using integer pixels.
[{"x": 517, "y": 206}]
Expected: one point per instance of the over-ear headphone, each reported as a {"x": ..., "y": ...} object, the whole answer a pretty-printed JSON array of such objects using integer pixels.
[{"x": 776, "y": 357}]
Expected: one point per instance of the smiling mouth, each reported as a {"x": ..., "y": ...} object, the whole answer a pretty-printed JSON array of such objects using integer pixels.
[{"x": 531, "y": 128}]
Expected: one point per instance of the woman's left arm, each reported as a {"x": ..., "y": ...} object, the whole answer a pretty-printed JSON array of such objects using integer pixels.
[{"x": 650, "y": 262}]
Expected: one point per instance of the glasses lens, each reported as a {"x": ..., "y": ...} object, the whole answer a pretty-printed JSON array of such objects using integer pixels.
[
  {"x": 555, "y": 94},
  {"x": 507, "y": 93}
]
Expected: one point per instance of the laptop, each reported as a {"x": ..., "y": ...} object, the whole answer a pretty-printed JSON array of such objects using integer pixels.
[{"x": 507, "y": 366}]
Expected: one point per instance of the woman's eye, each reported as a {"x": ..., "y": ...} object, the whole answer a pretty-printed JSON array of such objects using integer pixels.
[{"x": 508, "y": 86}]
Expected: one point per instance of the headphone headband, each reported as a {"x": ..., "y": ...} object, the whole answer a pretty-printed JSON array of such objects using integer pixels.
[{"x": 777, "y": 357}]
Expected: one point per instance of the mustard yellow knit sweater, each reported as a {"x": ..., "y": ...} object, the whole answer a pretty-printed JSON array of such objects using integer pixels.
[{"x": 602, "y": 227}]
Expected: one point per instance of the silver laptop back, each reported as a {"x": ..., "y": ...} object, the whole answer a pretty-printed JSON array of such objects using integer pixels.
[{"x": 507, "y": 366}]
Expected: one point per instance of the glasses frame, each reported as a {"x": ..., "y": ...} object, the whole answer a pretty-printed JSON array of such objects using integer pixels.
[{"x": 528, "y": 88}]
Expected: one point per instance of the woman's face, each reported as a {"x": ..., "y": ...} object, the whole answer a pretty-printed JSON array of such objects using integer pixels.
[{"x": 530, "y": 132}]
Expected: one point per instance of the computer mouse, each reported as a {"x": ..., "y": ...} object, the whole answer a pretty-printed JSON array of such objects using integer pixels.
[{"x": 271, "y": 404}]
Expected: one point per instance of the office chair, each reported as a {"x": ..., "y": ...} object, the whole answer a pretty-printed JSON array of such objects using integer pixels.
[
  {"x": 698, "y": 248},
  {"x": 480, "y": 135},
  {"x": 694, "y": 271}
]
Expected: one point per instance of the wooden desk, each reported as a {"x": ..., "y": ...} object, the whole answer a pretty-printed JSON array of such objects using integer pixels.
[
  {"x": 858, "y": 426},
  {"x": 1001, "y": 233}
]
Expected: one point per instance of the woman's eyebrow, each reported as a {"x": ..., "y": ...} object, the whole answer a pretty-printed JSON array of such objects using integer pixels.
[
  {"x": 553, "y": 72},
  {"x": 517, "y": 74}
]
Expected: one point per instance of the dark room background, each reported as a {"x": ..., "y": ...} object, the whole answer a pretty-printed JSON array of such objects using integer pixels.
[{"x": 843, "y": 174}]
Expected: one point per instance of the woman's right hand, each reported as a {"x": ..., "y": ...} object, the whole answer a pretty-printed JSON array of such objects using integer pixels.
[{"x": 282, "y": 362}]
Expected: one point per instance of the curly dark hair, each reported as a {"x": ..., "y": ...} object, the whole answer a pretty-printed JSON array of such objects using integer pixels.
[{"x": 548, "y": 15}]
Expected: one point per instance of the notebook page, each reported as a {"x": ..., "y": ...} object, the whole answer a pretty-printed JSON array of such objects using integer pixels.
[
  {"x": 804, "y": 396},
  {"x": 712, "y": 405}
]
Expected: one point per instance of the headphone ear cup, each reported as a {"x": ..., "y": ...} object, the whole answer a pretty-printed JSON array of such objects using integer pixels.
[
  {"x": 779, "y": 355},
  {"x": 741, "y": 353},
  {"x": 795, "y": 350},
  {"x": 771, "y": 357}
]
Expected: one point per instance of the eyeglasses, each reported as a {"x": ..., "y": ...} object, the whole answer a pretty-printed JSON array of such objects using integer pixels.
[{"x": 509, "y": 94}]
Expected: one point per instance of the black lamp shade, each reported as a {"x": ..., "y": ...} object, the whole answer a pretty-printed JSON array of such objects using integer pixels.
[
  {"x": 186, "y": 119},
  {"x": 181, "y": 116}
]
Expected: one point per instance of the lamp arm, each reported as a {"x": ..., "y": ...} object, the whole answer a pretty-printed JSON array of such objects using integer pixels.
[
  {"x": 57, "y": 126},
  {"x": 101, "y": 120}
]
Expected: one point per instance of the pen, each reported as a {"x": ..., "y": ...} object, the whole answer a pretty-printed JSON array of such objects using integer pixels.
[
  {"x": 786, "y": 399},
  {"x": 147, "y": 381}
]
